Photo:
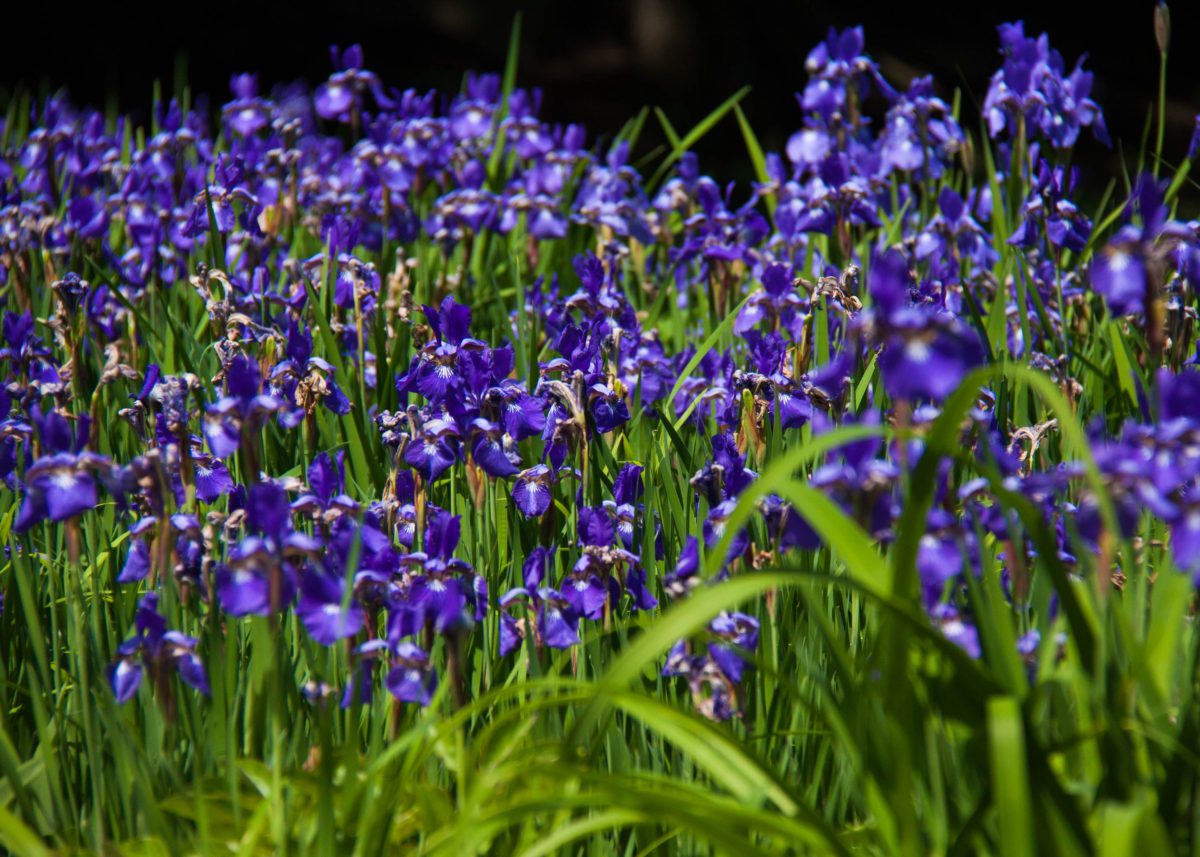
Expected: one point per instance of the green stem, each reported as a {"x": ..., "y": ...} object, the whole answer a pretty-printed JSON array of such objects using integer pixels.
[{"x": 1162, "y": 111}]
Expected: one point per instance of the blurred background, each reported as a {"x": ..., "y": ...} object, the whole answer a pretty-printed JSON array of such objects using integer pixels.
[{"x": 599, "y": 63}]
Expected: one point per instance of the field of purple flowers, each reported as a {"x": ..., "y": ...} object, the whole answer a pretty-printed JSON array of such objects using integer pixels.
[{"x": 387, "y": 470}]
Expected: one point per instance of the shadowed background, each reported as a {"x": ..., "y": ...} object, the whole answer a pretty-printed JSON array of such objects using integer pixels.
[{"x": 600, "y": 63}]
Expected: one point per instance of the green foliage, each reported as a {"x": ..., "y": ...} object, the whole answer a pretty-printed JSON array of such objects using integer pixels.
[{"x": 862, "y": 728}]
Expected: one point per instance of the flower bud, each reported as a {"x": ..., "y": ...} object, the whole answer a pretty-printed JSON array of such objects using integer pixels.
[{"x": 1162, "y": 27}]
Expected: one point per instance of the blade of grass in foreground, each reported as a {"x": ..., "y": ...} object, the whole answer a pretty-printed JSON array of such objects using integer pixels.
[{"x": 1006, "y": 742}]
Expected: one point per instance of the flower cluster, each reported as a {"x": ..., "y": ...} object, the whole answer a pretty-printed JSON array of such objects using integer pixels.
[{"x": 393, "y": 318}]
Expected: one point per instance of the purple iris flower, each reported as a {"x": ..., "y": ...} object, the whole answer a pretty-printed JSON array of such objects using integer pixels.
[
  {"x": 493, "y": 450},
  {"x": 595, "y": 581},
  {"x": 1031, "y": 85},
  {"x": 926, "y": 353},
  {"x": 305, "y": 380},
  {"x": 23, "y": 349},
  {"x": 483, "y": 388},
  {"x": 155, "y": 649},
  {"x": 137, "y": 561},
  {"x": 326, "y": 500},
  {"x": 611, "y": 196},
  {"x": 836, "y": 65},
  {"x": 1185, "y": 542},
  {"x": 585, "y": 592},
  {"x": 624, "y": 517},
  {"x": 320, "y": 608},
  {"x": 260, "y": 573},
  {"x": 435, "y": 371},
  {"x": 608, "y": 408},
  {"x": 921, "y": 134},
  {"x": 957, "y": 628},
  {"x": 788, "y": 528},
  {"x": 61, "y": 484},
  {"x": 360, "y": 683},
  {"x": 187, "y": 548},
  {"x": 244, "y": 409},
  {"x": 555, "y": 618},
  {"x": 212, "y": 476},
  {"x": 924, "y": 359},
  {"x": 219, "y": 198},
  {"x": 411, "y": 678},
  {"x": 738, "y": 630},
  {"x": 595, "y": 527},
  {"x": 939, "y": 560},
  {"x": 713, "y": 677},
  {"x": 341, "y": 97},
  {"x": 531, "y": 492},
  {"x": 792, "y": 407},
  {"x": 726, "y": 476},
  {"x": 523, "y": 415},
  {"x": 1129, "y": 271},
  {"x": 1049, "y": 208},
  {"x": 471, "y": 118},
  {"x": 955, "y": 234},
  {"x": 433, "y": 448},
  {"x": 246, "y": 114},
  {"x": 436, "y": 591},
  {"x": 88, "y": 217},
  {"x": 778, "y": 303},
  {"x": 714, "y": 528},
  {"x": 685, "y": 576}
]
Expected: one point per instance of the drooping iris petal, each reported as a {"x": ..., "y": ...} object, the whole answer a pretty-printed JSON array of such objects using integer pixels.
[
  {"x": 323, "y": 478},
  {"x": 137, "y": 563},
  {"x": 490, "y": 455},
  {"x": 536, "y": 566},
  {"x": 243, "y": 592},
  {"x": 627, "y": 487},
  {"x": 555, "y": 629},
  {"x": 929, "y": 364},
  {"x": 125, "y": 677},
  {"x": 510, "y": 634},
  {"x": 68, "y": 493},
  {"x": 1185, "y": 543},
  {"x": 411, "y": 679},
  {"x": 609, "y": 412},
  {"x": 430, "y": 456},
  {"x": 586, "y": 594},
  {"x": 959, "y": 631},
  {"x": 334, "y": 99},
  {"x": 730, "y": 663},
  {"x": 635, "y": 585},
  {"x": 595, "y": 527},
  {"x": 523, "y": 416},
  {"x": 749, "y": 316},
  {"x": 442, "y": 533},
  {"x": 408, "y": 684},
  {"x": 267, "y": 510},
  {"x": 320, "y": 609},
  {"x": 1119, "y": 274},
  {"x": 191, "y": 670},
  {"x": 336, "y": 400},
  {"x": 531, "y": 491},
  {"x": 223, "y": 438},
  {"x": 212, "y": 480},
  {"x": 938, "y": 561}
]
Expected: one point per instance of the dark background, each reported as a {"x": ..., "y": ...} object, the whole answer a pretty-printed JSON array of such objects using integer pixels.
[{"x": 599, "y": 63}]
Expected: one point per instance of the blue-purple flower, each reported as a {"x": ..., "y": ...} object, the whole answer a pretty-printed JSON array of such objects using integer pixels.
[{"x": 156, "y": 650}]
